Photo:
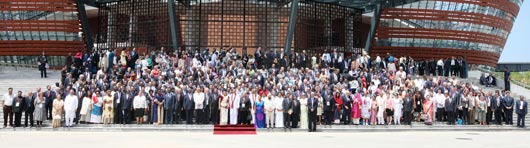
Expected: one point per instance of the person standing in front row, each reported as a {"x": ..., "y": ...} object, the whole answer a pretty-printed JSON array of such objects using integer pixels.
[
  {"x": 7, "y": 107},
  {"x": 312, "y": 108},
  {"x": 30, "y": 108},
  {"x": 521, "y": 110},
  {"x": 18, "y": 108},
  {"x": 139, "y": 106},
  {"x": 70, "y": 107},
  {"x": 40, "y": 110},
  {"x": 508, "y": 103},
  {"x": 57, "y": 112}
]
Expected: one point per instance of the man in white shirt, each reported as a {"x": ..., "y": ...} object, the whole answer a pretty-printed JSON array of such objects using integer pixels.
[
  {"x": 269, "y": 111},
  {"x": 7, "y": 106},
  {"x": 439, "y": 98},
  {"x": 198, "y": 98},
  {"x": 439, "y": 66},
  {"x": 233, "y": 101},
  {"x": 70, "y": 107}
]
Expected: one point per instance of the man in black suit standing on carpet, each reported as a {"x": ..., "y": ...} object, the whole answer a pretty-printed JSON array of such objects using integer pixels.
[{"x": 312, "y": 105}]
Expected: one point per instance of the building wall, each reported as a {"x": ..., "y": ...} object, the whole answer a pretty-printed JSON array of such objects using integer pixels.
[{"x": 431, "y": 29}]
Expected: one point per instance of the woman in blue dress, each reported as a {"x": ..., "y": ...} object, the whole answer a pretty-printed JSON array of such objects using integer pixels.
[{"x": 260, "y": 113}]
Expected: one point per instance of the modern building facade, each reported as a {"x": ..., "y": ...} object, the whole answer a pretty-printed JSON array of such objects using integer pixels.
[{"x": 422, "y": 29}]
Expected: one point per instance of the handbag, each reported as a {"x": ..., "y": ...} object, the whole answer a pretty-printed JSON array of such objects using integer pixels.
[{"x": 46, "y": 66}]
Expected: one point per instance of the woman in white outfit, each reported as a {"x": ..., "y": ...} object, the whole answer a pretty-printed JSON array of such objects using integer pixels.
[
  {"x": 303, "y": 113},
  {"x": 224, "y": 108},
  {"x": 365, "y": 110},
  {"x": 398, "y": 105}
]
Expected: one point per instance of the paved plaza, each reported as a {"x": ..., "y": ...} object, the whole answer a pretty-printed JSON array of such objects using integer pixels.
[{"x": 264, "y": 140}]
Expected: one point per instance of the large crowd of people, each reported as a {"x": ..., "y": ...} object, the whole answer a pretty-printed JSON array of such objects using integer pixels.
[{"x": 268, "y": 89}]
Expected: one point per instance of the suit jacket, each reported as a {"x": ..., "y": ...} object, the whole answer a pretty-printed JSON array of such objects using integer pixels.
[
  {"x": 494, "y": 105},
  {"x": 214, "y": 101},
  {"x": 169, "y": 101},
  {"x": 451, "y": 106},
  {"x": 126, "y": 103},
  {"x": 346, "y": 102},
  {"x": 520, "y": 111},
  {"x": 312, "y": 104},
  {"x": 507, "y": 102},
  {"x": 179, "y": 100},
  {"x": 49, "y": 98},
  {"x": 30, "y": 107},
  {"x": 21, "y": 104},
  {"x": 188, "y": 102},
  {"x": 119, "y": 97},
  {"x": 408, "y": 104},
  {"x": 246, "y": 106},
  {"x": 287, "y": 104}
]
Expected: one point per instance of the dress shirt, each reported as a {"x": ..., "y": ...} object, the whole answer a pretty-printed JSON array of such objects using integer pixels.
[
  {"x": 440, "y": 100},
  {"x": 8, "y": 99},
  {"x": 199, "y": 99}
]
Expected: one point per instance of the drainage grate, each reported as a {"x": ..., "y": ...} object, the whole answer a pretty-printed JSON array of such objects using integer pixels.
[{"x": 464, "y": 139}]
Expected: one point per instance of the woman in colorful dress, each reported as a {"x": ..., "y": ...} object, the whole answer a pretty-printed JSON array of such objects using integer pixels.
[
  {"x": 373, "y": 111},
  {"x": 108, "y": 108},
  {"x": 157, "y": 114},
  {"x": 428, "y": 110},
  {"x": 356, "y": 108},
  {"x": 338, "y": 110},
  {"x": 57, "y": 111},
  {"x": 260, "y": 113},
  {"x": 96, "y": 112}
]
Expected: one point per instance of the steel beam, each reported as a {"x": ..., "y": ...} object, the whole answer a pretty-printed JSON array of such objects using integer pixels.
[
  {"x": 85, "y": 25},
  {"x": 172, "y": 24},
  {"x": 291, "y": 27},
  {"x": 373, "y": 27}
]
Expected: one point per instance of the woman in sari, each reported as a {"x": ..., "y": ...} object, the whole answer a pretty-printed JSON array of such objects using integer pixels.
[
  {"x": 95, "y": 116},
  {"x": 338, "y": 110},
  {"x": 260, "y": 113},
  {"x": 57, "y": 111},
  {"x": 108, "y": 108},
  {"x": 85, "y": 108},
  {"x": 356, "y": 108},
  {"x": 373, "y": 111},
  {"x": 428, "y": 109}
]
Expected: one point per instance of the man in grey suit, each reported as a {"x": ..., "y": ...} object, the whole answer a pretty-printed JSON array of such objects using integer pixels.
[
  {"x": 496, "y": 106},
  {"x": 407, "y": 109},
  {"x": 508, "y": 108},
  {"x": 169, "y": 106},
  {"x": 288, "y": 110}
]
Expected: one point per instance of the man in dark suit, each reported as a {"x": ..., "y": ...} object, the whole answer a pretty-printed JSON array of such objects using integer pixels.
[
  {"x": 312, "y": 104},
  {"x": 489, "y": 110},
  {"x": 508, "y": 108},
  {"x": 295, "y": 116},
  {"x": 450, "y": 106},
  {"x": 126, "y": 106},
  {"x": 329, "y": 106},
  {"x": 521, "y": 109},
  {"x": 169, "y": 106},
  {"x": 119, "y": 96},
  {"x": 288, "y": 111},
  {"x": 188, "y": 106},
  {"x": 19, "y": 104},
  {"x": 30, "y": 108},
  {"x": 347, "y": 105},
  {"x": 178, "y": 105},
  {"x": 407, "y": 109},
  {"x": 214, "y": 105},
  {"x": 49, "y": 95}
]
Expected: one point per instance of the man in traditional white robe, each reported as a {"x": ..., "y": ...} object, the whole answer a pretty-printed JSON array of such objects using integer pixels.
[
  {"x": 278, "y": 105},
  {"x": 234, "y": 99},
  {"x": 70, "y": 107},
  {"x": 253, "y": 98}
]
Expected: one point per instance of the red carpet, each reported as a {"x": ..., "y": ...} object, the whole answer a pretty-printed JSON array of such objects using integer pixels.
[{"x": 234, "y": 130}]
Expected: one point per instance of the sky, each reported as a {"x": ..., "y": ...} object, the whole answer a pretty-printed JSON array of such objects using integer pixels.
[{"x": 517, "y": 48}]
